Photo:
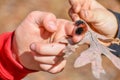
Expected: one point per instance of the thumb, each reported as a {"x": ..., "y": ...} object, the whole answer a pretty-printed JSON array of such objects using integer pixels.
[
  {"x": 93, "y": 16},
  {"x": 43, "y": 19}
]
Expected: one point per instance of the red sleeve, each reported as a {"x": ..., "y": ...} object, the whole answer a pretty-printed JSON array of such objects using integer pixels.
[{"x": 10, "y": 69}]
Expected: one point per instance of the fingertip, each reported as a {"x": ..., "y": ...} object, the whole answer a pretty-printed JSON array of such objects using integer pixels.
[
  {"x": 76, "y": 8},
  {"x": 84, "y": 14},
  {"x": 77, "y": 39},
  {"x": 51, "y": 26},
  {"x": 50, "y": 23},
  {"x": 45, "y": 67},
  {"x": 74, "y": 16},
  {"x": 69, "y": 28},
  {"x": 75, "y": 5},
  {"x": 58, "y": 67}
]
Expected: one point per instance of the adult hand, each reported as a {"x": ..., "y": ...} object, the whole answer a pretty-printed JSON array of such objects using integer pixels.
[
  {"x": 32, "y": 41},
  {"x": 100, "y": 19}
]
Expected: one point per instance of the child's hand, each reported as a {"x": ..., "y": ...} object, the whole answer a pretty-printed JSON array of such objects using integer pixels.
[
  {"x": 33, "y": 45},
  {"x": 100, "y": 19}
]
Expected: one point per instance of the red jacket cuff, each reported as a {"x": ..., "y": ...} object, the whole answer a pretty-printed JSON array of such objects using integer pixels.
[{"x": 9, "y": 67}]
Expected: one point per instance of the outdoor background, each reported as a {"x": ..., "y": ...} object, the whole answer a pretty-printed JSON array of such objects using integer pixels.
[{"x": 12, "y": 12}]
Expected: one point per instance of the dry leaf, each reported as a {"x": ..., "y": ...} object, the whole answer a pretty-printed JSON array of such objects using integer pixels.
[{"x": 93, "y": 53}]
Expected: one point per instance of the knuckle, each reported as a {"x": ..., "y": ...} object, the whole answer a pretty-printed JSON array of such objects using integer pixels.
[
  {"x": 49, "y": 15},
  {"x": 39, "y": 12},
  {"x": 33, "y": 13}
]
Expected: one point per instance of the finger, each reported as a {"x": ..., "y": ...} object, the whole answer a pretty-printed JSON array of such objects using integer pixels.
[
  {"x": 76, "y": 5},
  {"x": 73, "y": 15},
  {"x": 99, "y": 19},
  {"x": 58, "y": 67},
  {"x": 47, "y": 59},
  {"x": 69, "y": 26},
  {"x": 72, "y": 2},
  {"x": 79, "y": 32},
  {"x": 51, "y": 49},
  {"x": 53, "y": 68},
  {"x": 65, "y": 29},
  {"x": 45, "y": 67},
  {"x": 77, "y": 38},
  {"x": 92, "y": 15},
  {"x": 86, "y": 4},
  {"x": 44, "y": 19}
]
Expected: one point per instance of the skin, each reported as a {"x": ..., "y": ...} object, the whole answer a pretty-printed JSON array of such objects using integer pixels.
[
  {"x": 101, "y": 20},
  {"x": 31, "y": 43}
]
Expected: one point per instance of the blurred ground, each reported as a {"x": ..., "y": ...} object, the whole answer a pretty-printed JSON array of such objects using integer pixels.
[{"x": 12, "y": 12}]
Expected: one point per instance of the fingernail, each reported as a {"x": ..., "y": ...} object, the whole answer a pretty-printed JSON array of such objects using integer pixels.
[
  {"x": 52, "y": 25},
  {"x": 32, "y": 46}
]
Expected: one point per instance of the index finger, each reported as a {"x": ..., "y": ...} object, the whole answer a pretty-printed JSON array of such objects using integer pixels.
[
  {"x": 47, "y": 49},
  {"x": 76, "y": 5},
  {"x": 76, "y": 30},
  {"x": 79, "y": 31}
]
